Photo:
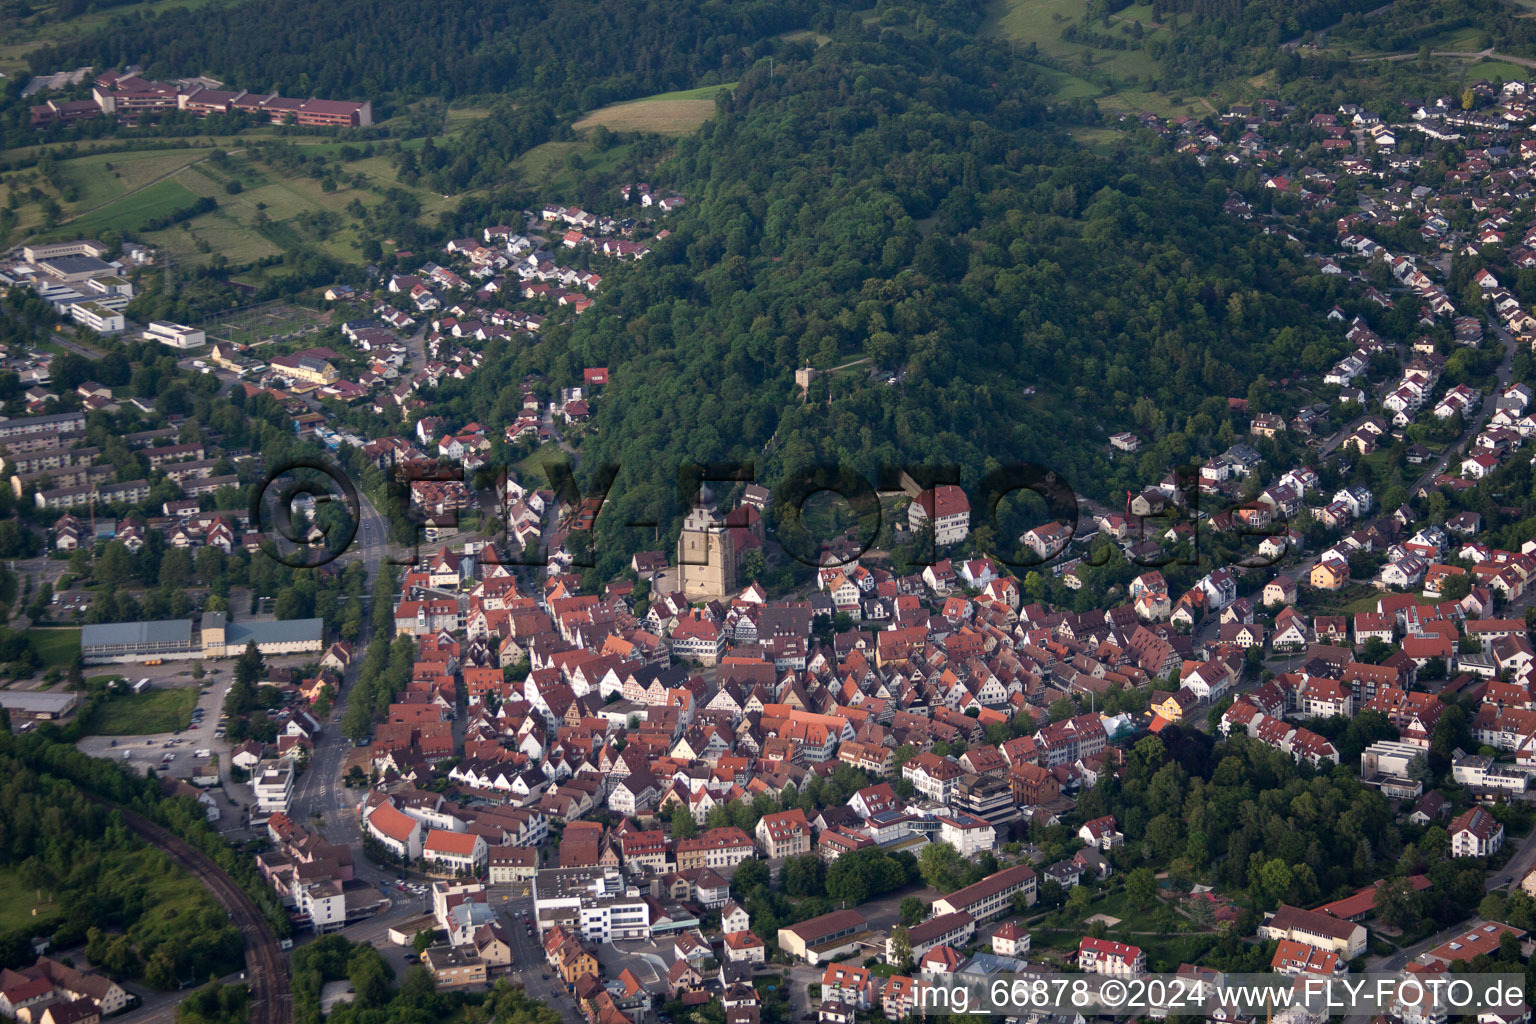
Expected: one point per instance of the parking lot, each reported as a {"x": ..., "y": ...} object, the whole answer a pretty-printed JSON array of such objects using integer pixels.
[{"x": 174, "y": 754}]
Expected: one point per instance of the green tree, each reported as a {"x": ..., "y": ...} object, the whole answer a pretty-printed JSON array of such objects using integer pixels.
[
  {"x": 748, "y": 876},
  {"x": 941, "y": 866},
  {"x": 683, "y": 825},
  {"x": 804, "y": 876},
  {"x": 1141, "y": 887},
  {"x": 901, "y": 948},
  {"x": 250, "y": 667}
]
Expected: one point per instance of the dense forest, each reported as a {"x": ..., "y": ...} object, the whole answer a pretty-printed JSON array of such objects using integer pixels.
[
  {"x": 99, "y": 885},
  {"x": 51, "y": 763},
  {"x": 589, "y": 52},
  {"x": 1217, "y": 39},
  {"x": 1412, "y": 23},
  {"x": 907, "y": 193}
]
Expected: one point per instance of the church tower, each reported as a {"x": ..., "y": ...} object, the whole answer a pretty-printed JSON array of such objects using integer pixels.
[{"x": 706, "y": 556}]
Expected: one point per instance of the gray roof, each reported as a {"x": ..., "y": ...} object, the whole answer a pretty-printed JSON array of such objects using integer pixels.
[
  {"x": 34, "y": 702},
  {"x": 274, "y": 632},
  {"x": 77, "y": 264},
  {"x": 122, "y": 634}
]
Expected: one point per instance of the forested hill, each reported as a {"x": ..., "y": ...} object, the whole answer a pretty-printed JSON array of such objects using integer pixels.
[
  {"x": 591, "y": 51},
  {"x": 1217, "y": 39},
  {"x": 908, "y": 194}
]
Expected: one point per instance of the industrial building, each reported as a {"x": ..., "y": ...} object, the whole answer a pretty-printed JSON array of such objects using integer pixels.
[{"x": 217, "y": 637}]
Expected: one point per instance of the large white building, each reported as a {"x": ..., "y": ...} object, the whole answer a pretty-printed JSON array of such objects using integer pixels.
[
  {"x": 945, "y": 930},
  {"x": 1476, "y": 833},
  {"x": 97, "y": 317},
  {"x": 398, "y": 832},
  {"x": 607, "y": 918},
  {"x": 1481, "y": 772},
  {"x": 274, "y": 788},
  {"x": 323, "y": 903},
  {"x": 991, "y": 896},
  {"x": 175, "y": 335},
  {"x": 458, "y": 852},
  {"x": 967, "y": 833},
  {"x": 947, "y": 508}
]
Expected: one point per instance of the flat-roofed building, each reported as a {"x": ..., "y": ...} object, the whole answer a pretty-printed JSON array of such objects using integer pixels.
[
  {"x": 57, "y": 423},
  {"x": 452, "y": 966},
  {"x": 74, "y": 268},
  {"x": 177, "y": 336},
  {"x": 274, "y": 788},
  {"x": 40, "y": 704},
  {"x": 129, "y": 493},
  {"x": 99, "y": 318},
  {"x": 80, "y": 247},
  {"x": 224, "y": 639}
]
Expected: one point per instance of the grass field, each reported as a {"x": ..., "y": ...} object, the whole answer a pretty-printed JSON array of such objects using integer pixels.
[
  {"x": 169, "y": 890},
  {"x": 99, "y": 179},
  {"x": 530, "y": 470},
  {"x": 804, "y": 33},
  {"x": 1080, "y": 70},
  {"x": 266, "y": 217},
  {"x": 668, "y": 113},
  {"x": 546, "y": 166},
  {"x": 128, "y": 213},
  {"x": 16, "y": 901},
  {"x": 273, "y": 211},
  {"x": 56, "y": 647},
  {"x": 104, "y": 177},
  {"x": 138, "y": 714},
  {"x": 1354, "y": 598}
]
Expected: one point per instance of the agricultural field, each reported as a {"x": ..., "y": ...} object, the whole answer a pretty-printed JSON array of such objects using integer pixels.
[
  {"x": 94, "y": 183},
  {"x": 669, "y": 113},
  {"x": 269, "y": 213},
  {"x": 128, "y": 213},
  {"x": 17, "y": 901}
]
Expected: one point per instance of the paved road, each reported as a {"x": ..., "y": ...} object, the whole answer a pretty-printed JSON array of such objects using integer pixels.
[
  {"x": 319, "y": 795},
  {"x": 1474, "y": 55},
  {"x": 76, "y": 347},
  {"x": 528, "y": 962}
]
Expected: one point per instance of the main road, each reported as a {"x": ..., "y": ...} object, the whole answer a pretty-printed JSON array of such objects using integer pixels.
[{"x": 320, "y": 793}]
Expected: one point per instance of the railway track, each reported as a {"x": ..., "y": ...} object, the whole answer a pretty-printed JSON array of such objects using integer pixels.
[{"x": 266, "y": 970}]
